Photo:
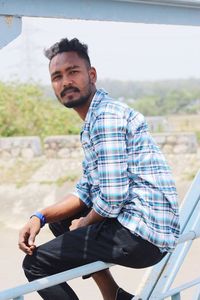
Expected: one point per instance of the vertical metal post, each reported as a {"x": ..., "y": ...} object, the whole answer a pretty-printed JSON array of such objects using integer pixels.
[
  {"x": 176, "y": 296},
  {"x": 11, "y": 27},
  {"x": 197, "y": 294}
]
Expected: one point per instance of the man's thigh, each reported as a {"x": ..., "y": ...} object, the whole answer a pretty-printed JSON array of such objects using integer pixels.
[
  {"x": 108, "y": 241},
  {"x": 119, "y": 246}
]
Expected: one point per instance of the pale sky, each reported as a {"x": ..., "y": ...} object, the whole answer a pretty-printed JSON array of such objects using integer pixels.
[{"x": 124, "y": 51}]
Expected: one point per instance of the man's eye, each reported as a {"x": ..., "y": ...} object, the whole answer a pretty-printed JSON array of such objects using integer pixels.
[
  {"x": 57, "y": 77},
  {"x": 73, "y": 72}
]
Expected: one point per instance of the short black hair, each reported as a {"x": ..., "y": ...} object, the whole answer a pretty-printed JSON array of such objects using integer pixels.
[{"x": 66, "y": 45}]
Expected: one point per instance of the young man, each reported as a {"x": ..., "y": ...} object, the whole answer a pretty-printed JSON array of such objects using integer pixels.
[{"x": 124, "y": 210}]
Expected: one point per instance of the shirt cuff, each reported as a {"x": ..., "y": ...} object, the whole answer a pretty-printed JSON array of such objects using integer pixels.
[{"x": 83, "y": 197}]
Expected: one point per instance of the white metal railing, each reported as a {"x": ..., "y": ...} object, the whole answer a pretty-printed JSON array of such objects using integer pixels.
[
  {"x": 18, "y": 292},
  {"x": 158, "y": 282},
  {"x": 157, "y": 286},
  {"x": 178, "y": 290}
]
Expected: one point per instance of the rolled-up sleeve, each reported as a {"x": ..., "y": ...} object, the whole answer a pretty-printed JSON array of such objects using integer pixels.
[
  {"x": 83, "y": 189},
  {"x": 108, "y": 138}
]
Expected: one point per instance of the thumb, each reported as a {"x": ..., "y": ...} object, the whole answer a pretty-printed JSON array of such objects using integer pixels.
[{"x": 31, "y": 239}]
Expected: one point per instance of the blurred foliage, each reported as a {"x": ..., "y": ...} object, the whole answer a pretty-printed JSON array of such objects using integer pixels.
[
  {"x": 25, "y": 110},
  {"x": 156, "y": 98},
  {"x": 30, "y": 109},
  {"x": 174, "y": 102}
]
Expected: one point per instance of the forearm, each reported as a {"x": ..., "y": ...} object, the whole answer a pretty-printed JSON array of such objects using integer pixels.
[
  {"x": 91, "y": 218},
  {"x": 68, "y": 207}
]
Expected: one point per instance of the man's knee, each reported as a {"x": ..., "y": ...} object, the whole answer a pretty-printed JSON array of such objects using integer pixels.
[
  {"x": 34, "y": 267},
  {"x": 28, "y": 267}
]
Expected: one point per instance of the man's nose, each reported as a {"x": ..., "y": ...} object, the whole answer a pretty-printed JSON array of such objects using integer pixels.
[{"x": 67, "y": 81}]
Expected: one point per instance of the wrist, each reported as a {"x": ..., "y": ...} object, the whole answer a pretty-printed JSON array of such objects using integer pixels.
[
  {"x": 84, "y": 221},
  {"x": 41, "y": 217}
]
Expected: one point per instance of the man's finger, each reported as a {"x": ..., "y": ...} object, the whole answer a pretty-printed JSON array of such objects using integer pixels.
[
  {"x": 31, "y": 239},
  {"x": 23, "y": 247},
  {"x": 22, "y": 243}
]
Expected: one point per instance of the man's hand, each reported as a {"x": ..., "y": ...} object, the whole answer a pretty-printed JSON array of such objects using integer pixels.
[
  {"x": 91, "y": 218},
  {"x": 27, "y": 235},
  {"x": 77, "y": 223}
]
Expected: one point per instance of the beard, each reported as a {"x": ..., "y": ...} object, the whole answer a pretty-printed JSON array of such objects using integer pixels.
[{"x": 77, "y": 102}]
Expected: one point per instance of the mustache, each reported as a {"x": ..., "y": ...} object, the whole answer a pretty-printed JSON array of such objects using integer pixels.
[{"x": 69, "y": 89}]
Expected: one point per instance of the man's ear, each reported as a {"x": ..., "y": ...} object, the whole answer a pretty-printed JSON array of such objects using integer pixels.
[{"x": 93, "y": 75}]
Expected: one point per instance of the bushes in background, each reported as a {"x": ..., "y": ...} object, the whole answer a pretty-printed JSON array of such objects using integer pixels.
[{"x": 24, "y": 110}]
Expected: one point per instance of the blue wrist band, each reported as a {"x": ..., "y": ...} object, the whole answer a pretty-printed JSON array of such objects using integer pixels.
[{"x": 41, "y": 217}]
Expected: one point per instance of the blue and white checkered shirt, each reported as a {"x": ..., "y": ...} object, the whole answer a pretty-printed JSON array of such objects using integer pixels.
[{"x": 125, "y": 176}]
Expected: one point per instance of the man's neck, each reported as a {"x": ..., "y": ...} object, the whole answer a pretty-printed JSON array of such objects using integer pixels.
[{"x": 82, "y": 110}]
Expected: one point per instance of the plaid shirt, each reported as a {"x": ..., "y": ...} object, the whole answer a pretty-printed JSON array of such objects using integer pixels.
[{"x": 125, "y": 176}]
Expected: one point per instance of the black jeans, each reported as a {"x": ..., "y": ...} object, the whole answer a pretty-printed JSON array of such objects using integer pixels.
[{"x": 107, "y": 241}]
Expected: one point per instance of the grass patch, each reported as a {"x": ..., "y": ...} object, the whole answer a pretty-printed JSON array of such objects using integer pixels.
[
  {"x": 198, "y": 136},
  {"x": 71, "y": 178},
  {"x": 20, "y": 173},
  {"x": 190, "y": 176},
  {"x": 60, "y": 181}
]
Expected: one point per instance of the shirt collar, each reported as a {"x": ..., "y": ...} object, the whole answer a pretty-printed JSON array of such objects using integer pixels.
[{"x": 96, "y": 100}]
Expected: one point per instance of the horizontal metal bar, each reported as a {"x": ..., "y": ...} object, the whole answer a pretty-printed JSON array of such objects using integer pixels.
[
  {"x": 177, "y": 3},
  {"x": 179, "y": 289},
  {"x": 191, "y": 235},
  {"x": 150, "y": 12},
  {"x": 40, "y": 284}
]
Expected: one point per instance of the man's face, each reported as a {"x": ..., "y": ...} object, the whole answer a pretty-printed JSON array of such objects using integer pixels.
[{"x": 72, "y": 79}]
